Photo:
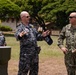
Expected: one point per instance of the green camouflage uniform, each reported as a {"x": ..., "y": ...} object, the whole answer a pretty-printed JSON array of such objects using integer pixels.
[{"x": 69, "y": 34}]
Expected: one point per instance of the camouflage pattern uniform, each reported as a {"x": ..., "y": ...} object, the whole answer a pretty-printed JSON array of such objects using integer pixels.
[
  {"x": 69, "y": 33},
  {"x": 29, "y": 57},
  {"x": 2, "y": 39}
]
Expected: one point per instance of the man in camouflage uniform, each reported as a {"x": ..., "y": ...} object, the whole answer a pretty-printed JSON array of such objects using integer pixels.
[
  {"x": 2, "y": 39},
  {"x": 29, "y": 50},
  {"x": 69, "y": 33}
]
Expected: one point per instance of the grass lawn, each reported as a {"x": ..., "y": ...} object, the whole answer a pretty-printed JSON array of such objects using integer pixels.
[
  {"x": 51, "y": 57},
  {"x": 46, "y": 52}
]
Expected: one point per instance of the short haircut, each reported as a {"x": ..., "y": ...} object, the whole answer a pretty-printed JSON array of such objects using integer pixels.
[{"x": 23, "y": 13}]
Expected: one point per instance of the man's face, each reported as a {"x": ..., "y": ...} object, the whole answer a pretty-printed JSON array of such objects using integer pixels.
[
  {"x": 26, "y": 17},
  {"x": 72, "y": 18}
]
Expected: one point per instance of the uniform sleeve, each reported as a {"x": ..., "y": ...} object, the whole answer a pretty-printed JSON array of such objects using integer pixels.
[
  {"x": 61, "y": 38},
  {"x": 39, "y": 36},
  {"x": 18, "y": 31}
]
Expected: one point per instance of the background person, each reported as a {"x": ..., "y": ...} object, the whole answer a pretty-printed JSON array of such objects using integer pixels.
[
  {"x": 69, "y": 33},
  {"x": 2, "y": 39},
  {"x": 29, "y": 50}
]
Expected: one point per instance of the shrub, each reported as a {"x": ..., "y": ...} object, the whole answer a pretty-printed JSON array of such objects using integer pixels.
[{"x": 5, "y": 28}]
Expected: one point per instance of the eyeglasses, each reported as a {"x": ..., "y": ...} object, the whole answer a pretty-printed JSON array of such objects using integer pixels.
[
  {"x": 72, "y": 16},
  {"x": 26, "y": 16}
]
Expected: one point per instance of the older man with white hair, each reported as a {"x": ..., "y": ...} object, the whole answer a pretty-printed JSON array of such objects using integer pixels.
[
  {"x": 29, "y": 49},
  {"x": 69, "y": 33}
]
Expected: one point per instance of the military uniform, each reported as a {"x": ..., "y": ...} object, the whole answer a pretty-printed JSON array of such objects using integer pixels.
[
  {"x": 29, "y": 50},
  {"x": 69, "y": 33},
  {"x": 2, "y": 39}
]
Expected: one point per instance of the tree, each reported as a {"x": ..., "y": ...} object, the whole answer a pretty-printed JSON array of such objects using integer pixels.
[
  {"x": 8, "y": 8},
  {"x": 58, "y": 11}
]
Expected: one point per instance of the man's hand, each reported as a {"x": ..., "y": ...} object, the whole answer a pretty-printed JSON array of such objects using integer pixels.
[
  {"x": 64, "y": 50},
  {"x": 22, "y": 33},
  {"x": 45, "y": 33},
  {"x": 74, "y": 51},
  {"x": 40, "y": 29}
]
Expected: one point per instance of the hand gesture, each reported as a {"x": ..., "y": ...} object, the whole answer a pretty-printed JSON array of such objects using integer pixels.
[
  {"x": 22, "y": 33},
  {"x": 45, "y": 33}
]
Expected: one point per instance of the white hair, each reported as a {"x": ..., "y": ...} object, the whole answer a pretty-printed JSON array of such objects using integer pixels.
[
  {"x": 23, "y": 13},
  {"x": 73, "y": 14}
]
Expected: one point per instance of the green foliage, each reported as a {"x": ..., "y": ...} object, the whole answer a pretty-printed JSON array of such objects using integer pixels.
[
  {"x": 5, "y": 28},
  {"x": 58, "y": 11},
  {"x": 42, "y": 10},
  {"x": 8, "y": 8}
]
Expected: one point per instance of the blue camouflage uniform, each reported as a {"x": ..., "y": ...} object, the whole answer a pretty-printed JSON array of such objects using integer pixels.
[
  {"x": 69, "y": 33},
  {"x": 29, "y": 50},
  {"x": 2, "y": 39}
]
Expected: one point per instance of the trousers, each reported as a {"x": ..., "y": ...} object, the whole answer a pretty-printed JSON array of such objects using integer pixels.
[
  {"x": 70, "y": 62},
  {"x": 28, "y": 64}
]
